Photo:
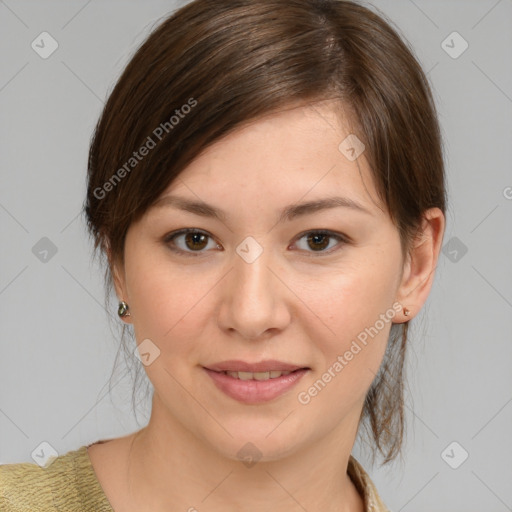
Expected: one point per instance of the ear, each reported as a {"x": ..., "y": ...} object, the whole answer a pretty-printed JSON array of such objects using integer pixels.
[
  {"x": 118, "y": 277},
  {"x": 421, "y": 262}
]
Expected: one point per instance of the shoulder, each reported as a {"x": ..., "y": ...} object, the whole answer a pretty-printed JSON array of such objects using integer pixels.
[
  {"x": 65, "y": 484},
  {"x": 24, "y": 486}
]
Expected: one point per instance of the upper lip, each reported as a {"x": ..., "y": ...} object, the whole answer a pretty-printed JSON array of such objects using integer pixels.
[{"x": 262, "y": 366}]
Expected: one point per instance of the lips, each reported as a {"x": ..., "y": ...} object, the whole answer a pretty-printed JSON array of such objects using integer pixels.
[
  {"x": 263, "y": 366},
  {"x": 255, "y": 383},
  {"x": 255, "y": 391}
]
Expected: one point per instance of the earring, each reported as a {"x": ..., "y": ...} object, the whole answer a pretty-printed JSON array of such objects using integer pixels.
[
  {"x": 123, "y": 308},
  {"x": 406, "y": 312}
]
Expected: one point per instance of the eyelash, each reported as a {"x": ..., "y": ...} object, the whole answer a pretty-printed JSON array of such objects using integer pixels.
[{"x": 169, "y": 240}]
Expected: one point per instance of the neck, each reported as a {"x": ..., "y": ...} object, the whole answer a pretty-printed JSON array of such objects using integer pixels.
[{"x": 170, "y": 468}]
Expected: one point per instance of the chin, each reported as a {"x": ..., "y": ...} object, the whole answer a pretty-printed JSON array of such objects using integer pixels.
[{"x": 264, "y": 440}]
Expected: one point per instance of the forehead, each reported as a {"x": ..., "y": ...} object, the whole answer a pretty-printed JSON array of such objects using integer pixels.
[{"x": 303, "y": 153}]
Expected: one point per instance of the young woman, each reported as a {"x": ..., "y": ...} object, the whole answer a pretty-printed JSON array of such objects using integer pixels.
[{"x": 266, "y": 183}]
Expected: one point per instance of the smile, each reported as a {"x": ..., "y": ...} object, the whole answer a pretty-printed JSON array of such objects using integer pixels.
[
  {"x": 274, "y": 374},
  {"x": 255, "y": 387}
]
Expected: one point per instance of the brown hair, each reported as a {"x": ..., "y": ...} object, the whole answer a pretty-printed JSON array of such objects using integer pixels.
[{"x": 215, "y": 65}]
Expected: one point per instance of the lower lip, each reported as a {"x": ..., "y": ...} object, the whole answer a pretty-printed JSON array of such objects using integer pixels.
[{"x": 255, "y": 391}]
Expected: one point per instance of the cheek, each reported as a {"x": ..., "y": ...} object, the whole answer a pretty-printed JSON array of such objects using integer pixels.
[
  {"x": 356, "y": 309},
  {"x": 167, "y": 305},
  {"x": 352, "y": 299}
]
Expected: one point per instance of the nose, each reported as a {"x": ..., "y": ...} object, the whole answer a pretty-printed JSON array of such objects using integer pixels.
[{"x": 254, "y": 298}]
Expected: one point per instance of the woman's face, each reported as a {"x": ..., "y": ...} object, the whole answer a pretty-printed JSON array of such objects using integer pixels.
[{"x": 256, "y": 285}]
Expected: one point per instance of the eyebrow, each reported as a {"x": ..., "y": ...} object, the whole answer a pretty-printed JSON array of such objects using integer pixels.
[{"x": 288, "y": 213}]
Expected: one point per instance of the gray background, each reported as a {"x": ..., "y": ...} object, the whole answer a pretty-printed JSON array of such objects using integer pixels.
[{"x": 57, "y": 348}]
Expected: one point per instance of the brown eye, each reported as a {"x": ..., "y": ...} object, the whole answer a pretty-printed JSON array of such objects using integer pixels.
[
  {"x": 319, "y": 241},
  {"x": 195, "y": 240},
  {"x": 190, "y": 242}
]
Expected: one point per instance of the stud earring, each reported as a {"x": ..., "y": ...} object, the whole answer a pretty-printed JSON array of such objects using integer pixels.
[
  {"x": 406, "y": 312},
  {"x": 123, "y": 308}
]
